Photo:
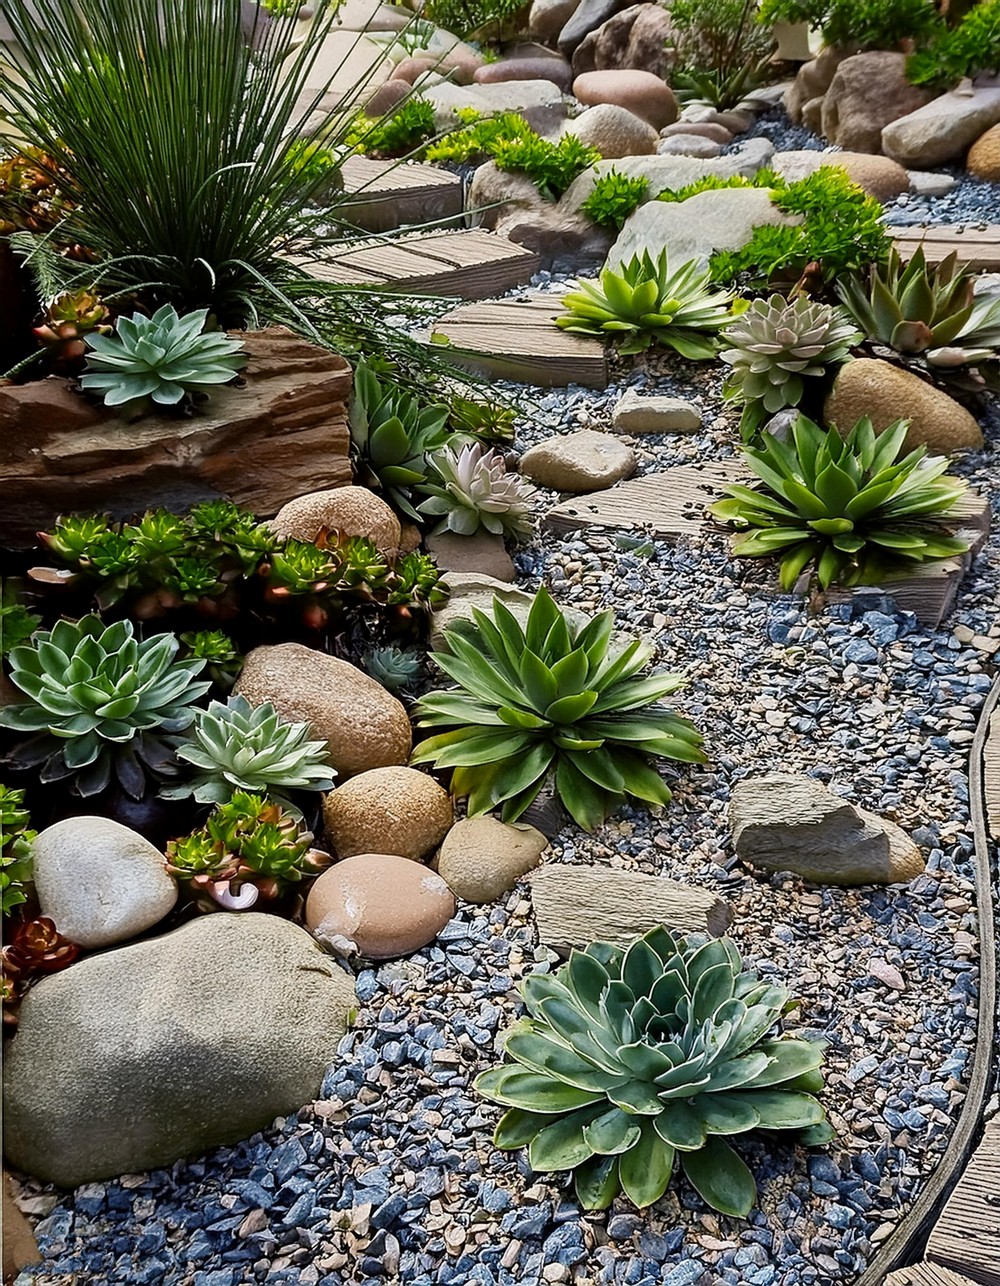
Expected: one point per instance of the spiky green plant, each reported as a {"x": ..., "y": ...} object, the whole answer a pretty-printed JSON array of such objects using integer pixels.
[
  {"x": 776, "y": 346},
  {"x": 646, "y": 303},
  {"x": 551, "y": 700},
  {"x": 17, "y": 623},
  {"x": 237, "y": 746},
  {"x": 847, "y": 506},
  {"x": 99, "y": 700},
  {"x": 470, "y": 490},
  {"x": 16, "y": 837},
  {"x": 395, "y": 668},
  {"x": 391, "y": 437},
  {"x": 223, "y": 660},
  {"x": 930, "y": 316},
  {"x": 248, "y": 840},
  {"x": 634, "y": 1059},
  {"x": 166, "y": 359},
  {"x": 614, "y": 198}
]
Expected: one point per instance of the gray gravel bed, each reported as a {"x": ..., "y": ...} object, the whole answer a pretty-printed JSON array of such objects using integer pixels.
[{"x": 391, "y": 1176}]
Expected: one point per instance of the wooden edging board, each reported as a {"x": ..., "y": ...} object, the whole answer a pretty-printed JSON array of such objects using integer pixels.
[{"x": 907, "y": 1242}]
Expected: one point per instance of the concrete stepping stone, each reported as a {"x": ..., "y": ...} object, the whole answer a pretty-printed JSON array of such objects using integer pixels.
[
  {"x": 517, "y": 339},
  {"x": 385, "y": 195},
  {"x": 976, "y": 245}
]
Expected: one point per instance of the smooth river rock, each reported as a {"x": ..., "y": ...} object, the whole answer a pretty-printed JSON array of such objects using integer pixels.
[
  {"x": 482, "y": 857},
  {"x": 394, "y": 810}
]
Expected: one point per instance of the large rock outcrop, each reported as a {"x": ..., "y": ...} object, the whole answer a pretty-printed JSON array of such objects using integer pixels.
[
  {"x": 867, "y": 92},
  {"x": 283, "y": 433}
]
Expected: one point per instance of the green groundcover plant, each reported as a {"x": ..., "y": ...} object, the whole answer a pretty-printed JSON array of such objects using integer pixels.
[
  {"x": 971, "y": 47},
  {"x": 861, "y": 24},
  {"x": 849, "y": 507},
  {"x": 614, "y": 198},
  {"x": 635, "y": 1060},
  {"x": 551, "y": 700},
  {"x": 16, "y": 837}
]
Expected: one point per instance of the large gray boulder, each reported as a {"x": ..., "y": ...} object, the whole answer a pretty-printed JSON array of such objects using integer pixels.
[
  {"x": 791, "y": 822},
  {"x": 944, "y": 129},
  {"x": 866, "y": 93},
  {"x": 137, "y": 1057}
]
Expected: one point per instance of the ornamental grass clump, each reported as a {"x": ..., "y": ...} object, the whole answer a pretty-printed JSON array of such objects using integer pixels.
[
  {"x": 100, "y": 701},
  {"x": 551, "y": 700},
  {"x": 847, "y": 507},
  {"x": 237, "y": 746},
  {"x": 634, "y": 1060},
  {"x": 646, "y": 303},
  {"x": 776, "y": 346},
  {"x": 165, "y": 359}
]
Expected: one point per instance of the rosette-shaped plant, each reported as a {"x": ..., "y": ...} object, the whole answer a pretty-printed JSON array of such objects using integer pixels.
[
  {"x": 249, "y": 848},
  {"x": 551, "y": 699},
  {"x": 847, "y": 506},
  {"x": 15, "y": 848},
  {"x": 395, "y": 668},
  {"x": 632, "y": 1060},
  {"x": 472, "y": 490},
  {"x": 101, "y": 700},
  {"x": 647, "y": 303},
  {"x": 165, "y": 358},
  {"x": 238, "y": 746},
  {"x": 775, "y": 346}
]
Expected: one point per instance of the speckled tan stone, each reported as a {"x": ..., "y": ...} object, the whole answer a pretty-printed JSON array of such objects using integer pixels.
[
  {"x": 886, "y": 393},
  {"x": 354, "y": 511},
  {"x": 482, "y": 857},
  {"x": 393, "y": 810}
]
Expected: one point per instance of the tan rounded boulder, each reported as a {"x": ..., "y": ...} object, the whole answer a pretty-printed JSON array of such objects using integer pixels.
[
  {"x": 614, "y": 131},
  {"x": 881, "y": 178},
  {"x": 394, "y": 810},
  {"x": 365, "y": 726},
  {"x": 984, "y": 156},
  {"x": 639, "y": 91},
  {"x": 383, "y": 905},
  {"x": 482, "y": 857},
  {"x": 886, "y": 393},
  {"x": 353, "y": 511}
]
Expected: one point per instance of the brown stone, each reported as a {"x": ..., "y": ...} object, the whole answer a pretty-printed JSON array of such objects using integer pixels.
[
  {"x": 881, "y": 178},
  {"x": 885, "y": 393},
  {"x": 409, "y": 69},
  {"x": 701, "y": 129},
  {"x": 365, "y": 726},
  {"x": 812, "y": 81},
  {"x": 564, "y": 241},
  {"x": 482, "y": 858},
  {"x": 640, "y": 91},
  {"x": 388, "y": 96},
  {"x": 984, "y": 156},
  {"x": 353, "y": 511},
  {"x": 556, "y": 70},
  {"x": 614, "y": 131},
  {"x": 395, "y": 810},
  {"x": 382, "y": 905},
  {"x": 19, "y": 1246},
  {"x": 641, "y": 37},
  {"x": 483, "y": 552},
  {"x": 282, "y": 434},
  {"x": 867, "y": 92}
]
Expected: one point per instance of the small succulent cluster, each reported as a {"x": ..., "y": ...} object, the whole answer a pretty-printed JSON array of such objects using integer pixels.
[
  {"x": 16, "y": 837},
  {"x": 236, "y": 746},
  {"x": 849, "y": 507},
  {"x": 223, "y": 660},
  {"x": 646, "y": 303},
  {"x": 17, "y": 622},
  {"x": 776, "y": 346},
  {"x": 551, "y": 700},
  {"x": 165, "y": 359},
  {"x": 471, "y": 490},
  {"x": 632, "y": 1060},
  {"x": 929, "y": 317},
  {"x": 615, "y": 197},
  {"x": 69, "y": 319},
  {"x": 219, "y": 559},
  {"x": 101, "y": 702},
  {"x": 250, "y": 849},
  {"x": 397, "y": 669},
  {"x": 35, "y": 947},
  {"x": 31, "y": 199}
]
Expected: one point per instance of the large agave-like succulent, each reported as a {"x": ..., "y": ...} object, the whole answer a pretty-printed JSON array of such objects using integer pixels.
[
  {"x": 775, "y": 346},
  {"x": 647, "y": 303},
  {"x": 249, "y": 848},
  {"x": 551, "y": 700},
  {"x": 165, "y": 358},
  {"x": 99, "y": 699},
  {"x": 237, "y": 746},
  {"x": 929, "y": 315},
  {"x": 391, "y": 435},
  {"x": 473, "y": 490},
  {"x": 846, "y": 505},
  {"x": 632, "y": 1060}
]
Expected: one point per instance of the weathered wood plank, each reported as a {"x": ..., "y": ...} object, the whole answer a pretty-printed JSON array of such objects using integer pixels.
[
  {"x": 979, "y": 247},
  {"x": 926, "y": 1275},
  {"x": 518, "y": 339},
  {"x": 467, "y": 264},
  {"x": 575, "y": 905},
  {"x": 991, "y": 776},
  {"x": 384, "y": 195},
  {"x": 966, "y": 1238}
]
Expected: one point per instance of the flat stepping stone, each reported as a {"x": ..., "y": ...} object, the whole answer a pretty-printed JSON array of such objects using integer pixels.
[
  {"x": 979, "y": 247},
  {"x": 576, "y": 905},
  {"x": 517, "y": 339},
  {"x": 926, "y": 1275},
  {"x": 991, "y": 776},
  {"x": 665, "y": 505},
  {"x": 467, "y": 264},
  {"x": 966, "y": 1238},
  {"x": 384, "y": 195}
]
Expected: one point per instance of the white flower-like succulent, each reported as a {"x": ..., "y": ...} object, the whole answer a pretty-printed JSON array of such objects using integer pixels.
[{"x": 474, "y": 490}]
